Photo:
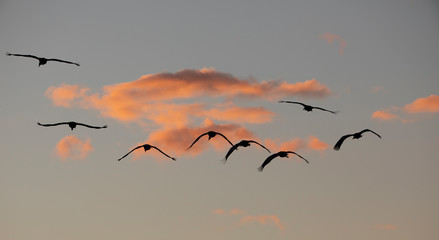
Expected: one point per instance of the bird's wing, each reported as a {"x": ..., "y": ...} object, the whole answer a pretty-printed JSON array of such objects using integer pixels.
[
  {"x": 260, "y": 145},
  {"x": 196, "y": 140},
  {"x": 368, "y": 130},
  {"x": 52, "y": 124},
  {"x": 163, "y": 153},
  {"x": 89, "y": 126},
  {"x": 129, "y": 152},
  {"x": 267, "y": 161},
  {"x": 59, "y": 60},
  {"x": 22, "y": 55},
  {"x": 233, "y": 148},
  {"x": 292, "y": 102},
  {"x": 298, "y": 156},
  {"x": 340, "y": 141},
  {"x": 334, "y": 112},
  {"x": 224, "y": 137}
]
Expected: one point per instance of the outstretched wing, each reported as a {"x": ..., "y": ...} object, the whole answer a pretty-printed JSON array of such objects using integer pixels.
[
  {"x": 129, "y": 152},
  {"x": 163, "y": 153},
  {"x": 59, "y": 60},
  {"x": 340, "y": 141},
  {"x": 333, "y": 112},
  {"x": 22, "y": 55},
  {"x": 224, "y": 137},
  {"x": 267, "y": 161},
  {"x": 298, "y": 156},
  {"x": 233, "y": 148},
  {"x": 260, "y": 145},
  {"x": 368, "y": 130},
  {"x": 292, "y": 102},
  {"x": 89, "y": 126},
  {"x": 196, "y": 140},
  {"x": 52, "y": 124}
]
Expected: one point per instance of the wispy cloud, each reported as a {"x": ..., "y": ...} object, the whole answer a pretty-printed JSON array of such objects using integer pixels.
[
  {"x": 73, "y": 147},
  {"x": 249, "y": 219},
  {"x": 331, "y": 37},
  {"x": 428, "y": 104},
  {"x": 311, "y": 143}
]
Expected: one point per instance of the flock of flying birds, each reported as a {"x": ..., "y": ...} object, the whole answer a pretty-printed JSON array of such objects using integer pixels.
[{"x": 244, "y": 143}]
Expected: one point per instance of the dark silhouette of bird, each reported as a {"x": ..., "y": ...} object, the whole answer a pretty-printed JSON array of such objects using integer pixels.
[
  {"x": 72, "y": 125},
  {"x": 282, "y": 154},
  {"x": 243, "y": 143},
  {"x": 354, "y": 136},
  {"x": 211, "y": 134},
  {"x": 41, "y": 60},
  {"x": 146, "y": 147},
  {"x": 309, "y": 108}
]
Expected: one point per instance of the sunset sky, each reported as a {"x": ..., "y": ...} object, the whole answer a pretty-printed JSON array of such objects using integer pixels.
[{"x": 164, "y": 72}]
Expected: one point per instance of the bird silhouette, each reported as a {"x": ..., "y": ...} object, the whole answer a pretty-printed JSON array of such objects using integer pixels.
[
  {"x": 41, "y": 60},
  {"x": 72, "y": 125},
  {"x": 146, "y": 147},
  {"x": 309, "y": 108},
  {"x": 211, "y": 134},
  {"x": 243, "y": 143},
  {"x": 354, "y": 136},
  {"x": 282, "y": 154}
]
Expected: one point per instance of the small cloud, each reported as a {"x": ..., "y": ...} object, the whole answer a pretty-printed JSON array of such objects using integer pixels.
[
  {"x": 384, "y": 115},
  {"x": 72, "y": 147},
  {"x": 316, "y": 144},
  {"x": 312, "y": 143},
  {"x": 386, "y": 227},
  {"x": 428, "y": 104},
  {"x": 263, "y": 219},
  {"x": 331, "y": 37},
  {"x": 378, "y": 89},
  {"x": 218, "y": 211}
]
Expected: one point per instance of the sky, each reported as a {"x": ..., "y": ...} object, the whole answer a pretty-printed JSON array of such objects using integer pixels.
[{"x": 164, "y": 72}]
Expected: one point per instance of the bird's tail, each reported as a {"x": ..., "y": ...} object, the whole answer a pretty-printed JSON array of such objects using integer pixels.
[{"x": 260, "y": 168}]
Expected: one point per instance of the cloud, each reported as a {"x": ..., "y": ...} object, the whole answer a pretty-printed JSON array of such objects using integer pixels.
[
  {"x": 378, "y": 89},
  {"x": 255, "y": 115},
  {"x": 312, "y": 143},
  {"x": 248, "y": 219},
  {"x": 331, "y": 37},
  {"x": 384, "y": 115},
  {"x": 428, "y": 104},
  {"x": 263, "y": 219},
  {"x": 72, "y": 147},
  {"x": 133, "y": 101},
  {"x": 386, "y": 227}
]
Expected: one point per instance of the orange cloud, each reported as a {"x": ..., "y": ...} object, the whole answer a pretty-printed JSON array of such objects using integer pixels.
[
  {"x": 263, "y": 219},
  {"x": 72, "y": 147},
  {"x": 386, "y": 227},
  {"x": 378, "y": 89},
  {"x": 384, "y": 116},
  {"x": 312, "y": 143},
  {"x": 218, "y": 211},
  {"x": 331, "y": 37},
  {"x": 240, "y": 115},
  {"x": 65, "y": 95},
  {"x": 421, "y": 105}
]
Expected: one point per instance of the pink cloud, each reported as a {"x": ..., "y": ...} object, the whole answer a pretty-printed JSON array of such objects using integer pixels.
[
  {"x": 384, "y": 115},
  {"x": 72, "y": 147},
  {"x": 331, "y": 37},
  {"x": 263, "y": 219},
  {"x": 312, "y": 143},
  {"x": 65, "y": 95},
  {"x": 386, "y": 227},
  {"x": 422, "y": 105}
]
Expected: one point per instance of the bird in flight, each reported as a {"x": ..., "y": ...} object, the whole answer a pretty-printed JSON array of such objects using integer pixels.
[
  {"x": 146, "y": 147},
  {"x": 211, "y": 134},
  {"x": 282, "y": 154},
  {"x": 41, "y": 60},
  {"x": 72, "y": 125},
  {"x": 354, "y": 136},
  {"x": 309, "y": 108},
  {"x": 243, "y": 143}
]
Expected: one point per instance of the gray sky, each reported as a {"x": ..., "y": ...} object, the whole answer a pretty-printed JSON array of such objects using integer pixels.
[{"x": 163, "y": 72}]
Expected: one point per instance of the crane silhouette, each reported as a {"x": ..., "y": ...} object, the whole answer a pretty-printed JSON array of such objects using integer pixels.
[
  {"x": 211, "y": 134},
  {"x": 41, "y": 60},
  {"x": 354, "y": 136},
  {"x": 243, "y": 143},
  {"x": 309, "y": 108},
  {"x": 283, "y": 154},
  {"x": 146, "y": 147},
  {"x": 72, "y": 125}
]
